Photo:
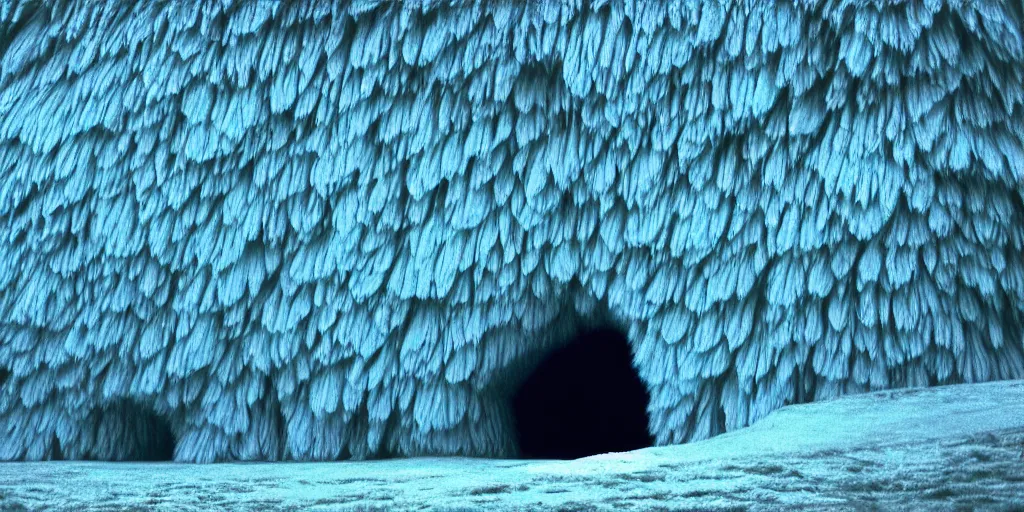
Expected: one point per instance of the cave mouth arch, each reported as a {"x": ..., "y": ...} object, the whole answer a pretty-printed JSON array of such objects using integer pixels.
[
  {"x": 129, "y": 431},
  {"x": 583, "y": 398}
]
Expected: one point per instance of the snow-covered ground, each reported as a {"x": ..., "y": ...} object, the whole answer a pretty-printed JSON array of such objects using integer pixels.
[{"x": 941, "y": 448}]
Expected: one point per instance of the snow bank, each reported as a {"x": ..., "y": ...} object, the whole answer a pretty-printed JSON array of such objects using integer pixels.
[{"x": 935, "y": 448}]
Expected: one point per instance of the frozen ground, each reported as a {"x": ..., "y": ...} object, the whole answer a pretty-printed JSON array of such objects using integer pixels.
[{"x": 947, "y": 448}]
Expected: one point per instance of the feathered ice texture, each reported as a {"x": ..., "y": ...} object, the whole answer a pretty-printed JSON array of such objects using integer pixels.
[{"x": 292, "y": 230}]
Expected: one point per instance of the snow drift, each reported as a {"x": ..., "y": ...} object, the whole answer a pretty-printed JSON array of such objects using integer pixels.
[{"x": 294, "y": 230}]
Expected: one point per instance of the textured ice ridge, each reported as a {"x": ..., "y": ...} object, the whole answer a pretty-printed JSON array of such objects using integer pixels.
[{"x": 298, "y": 230}]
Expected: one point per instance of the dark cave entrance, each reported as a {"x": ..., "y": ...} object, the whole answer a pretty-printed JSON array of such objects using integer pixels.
[
  {"x": 128, "y": 431},
  {"x": 583, "y": 399}
]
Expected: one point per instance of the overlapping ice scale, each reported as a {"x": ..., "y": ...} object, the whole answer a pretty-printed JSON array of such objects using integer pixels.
[{"x": 296, "y": 230}]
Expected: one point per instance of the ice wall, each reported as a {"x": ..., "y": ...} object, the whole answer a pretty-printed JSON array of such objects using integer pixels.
[{"x": 297, "y": 230}]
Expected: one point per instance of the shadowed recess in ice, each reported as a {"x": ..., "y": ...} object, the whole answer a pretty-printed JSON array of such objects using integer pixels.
[
  {"x": 585, "y": 398},
  {"x": 293, "y": 230},
  {"x": 123, "y": 430}
]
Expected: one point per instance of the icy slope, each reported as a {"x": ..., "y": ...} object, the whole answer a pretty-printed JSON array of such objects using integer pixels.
[{"x": 915, "y": 449}]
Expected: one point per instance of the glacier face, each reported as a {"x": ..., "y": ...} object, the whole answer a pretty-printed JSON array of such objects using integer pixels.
[{"x": 297, "y": 230}]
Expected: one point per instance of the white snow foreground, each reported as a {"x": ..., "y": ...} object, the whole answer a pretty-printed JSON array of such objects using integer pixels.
[{"x": 923, "y": 448}]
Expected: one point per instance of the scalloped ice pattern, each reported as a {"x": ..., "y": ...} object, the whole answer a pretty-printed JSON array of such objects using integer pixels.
[{"x": 298, "y": 230}]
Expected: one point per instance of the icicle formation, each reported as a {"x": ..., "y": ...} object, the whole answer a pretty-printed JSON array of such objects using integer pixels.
[{"x": 290, "y": 230}]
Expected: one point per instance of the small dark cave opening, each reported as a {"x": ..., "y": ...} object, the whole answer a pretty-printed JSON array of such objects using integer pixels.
[
  {"x": 139, "y": 434},
  {"x": 585, "y": 398}
]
